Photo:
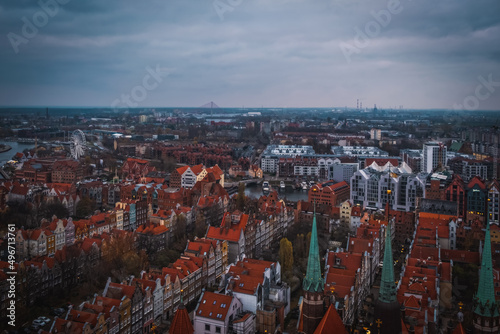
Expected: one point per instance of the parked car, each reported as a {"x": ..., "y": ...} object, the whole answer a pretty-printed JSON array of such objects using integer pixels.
[{"x": 44, "y": 319}]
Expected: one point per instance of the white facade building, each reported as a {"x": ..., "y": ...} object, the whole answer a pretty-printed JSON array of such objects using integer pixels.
[
  {"x": 373, "y": 187},
  {"x": 434, "y": 154}
]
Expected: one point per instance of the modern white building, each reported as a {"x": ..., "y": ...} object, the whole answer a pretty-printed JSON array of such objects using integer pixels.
[
  {"x": 272, "y": 153},
  {"x": 375, "y": 134},
  {"x": 359, "y": 151},
  {"x": 342, "y": 171},
  {"x": 434, "y": 155},
  {"x": 374, "y": 186}
]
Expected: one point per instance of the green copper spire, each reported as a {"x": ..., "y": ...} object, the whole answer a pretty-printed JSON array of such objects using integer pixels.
[
  {"x": 313, "y": 281},
  {"x": 387, "y": 293},
  {"x": 486, "y": 305}
]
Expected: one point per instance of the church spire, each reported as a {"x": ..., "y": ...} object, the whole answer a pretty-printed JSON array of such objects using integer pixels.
[
  {"x": 486, "y": 305},
  {"x": 387, "y": 293},
  {"x": 313, "y": 281},
  {"x": 387, "y": 310}
]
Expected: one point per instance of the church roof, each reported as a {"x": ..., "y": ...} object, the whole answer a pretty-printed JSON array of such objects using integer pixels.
[
  {"x": 313, "y": 281},
  {"x": 330, "y": 320},
  {"x": 387, "y": 293},
  {"x": 486, "y": 304},
  {"x": 181, "y": 324}
]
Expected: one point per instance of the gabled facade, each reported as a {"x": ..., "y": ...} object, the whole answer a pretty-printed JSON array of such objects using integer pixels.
[{"x": 215, "y": 313}]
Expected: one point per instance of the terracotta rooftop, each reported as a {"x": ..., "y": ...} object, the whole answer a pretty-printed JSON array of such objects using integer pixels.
[
  {"x": 331, "y": 322},
  {"x": 213, "y": 306}
]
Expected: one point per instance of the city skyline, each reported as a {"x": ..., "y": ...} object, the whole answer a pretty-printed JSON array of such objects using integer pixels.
[{"x": 289, "y": 54}]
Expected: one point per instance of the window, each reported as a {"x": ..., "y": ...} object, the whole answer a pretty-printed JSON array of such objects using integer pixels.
[
  {"x": 217, "y": 329},
  {"x": 207, "y": 327}
]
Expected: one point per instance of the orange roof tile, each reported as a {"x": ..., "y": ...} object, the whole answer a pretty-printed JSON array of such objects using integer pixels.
[
  {"x": 412, "y": 303},
  {"x": 330, "y": 322},
  {"x": 181, "y": 324},
  {"x": 213, "y": 306}
]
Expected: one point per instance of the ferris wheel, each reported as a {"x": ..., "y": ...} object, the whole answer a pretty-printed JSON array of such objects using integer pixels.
[{"x": 77, "y": 144}]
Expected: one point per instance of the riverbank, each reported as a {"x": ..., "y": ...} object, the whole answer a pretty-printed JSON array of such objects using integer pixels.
[{"x": 5, "y": 148}]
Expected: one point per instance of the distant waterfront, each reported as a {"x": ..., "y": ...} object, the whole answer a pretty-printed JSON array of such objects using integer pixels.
[
  {"x": 16, "y": 147},
  {"x": 255, "y": 191}
]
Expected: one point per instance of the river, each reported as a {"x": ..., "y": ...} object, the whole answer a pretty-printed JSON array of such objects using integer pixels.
[
  {"x": 255, "y": 191},
  {"x": 16, "y": 147}
]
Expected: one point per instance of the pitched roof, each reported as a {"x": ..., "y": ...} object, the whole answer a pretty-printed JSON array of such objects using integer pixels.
[
  {"x": 330, "y": 321},
  {"x": 387, "y": 292},
  {"x": 181, "y": 324},
  {"x": 459, "y": 329},
  {"x": 313, "y": 281},
  {"x": 485, "y": 296},
  {"x": 412, "y": 302},
  {"x": 213, "y": 305}
]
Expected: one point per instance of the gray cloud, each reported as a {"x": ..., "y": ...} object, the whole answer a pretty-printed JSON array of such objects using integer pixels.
[{"x": 271, "y": 53}]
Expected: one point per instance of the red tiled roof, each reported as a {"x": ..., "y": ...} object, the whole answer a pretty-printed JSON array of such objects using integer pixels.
[
  {"x": 213, "y": 306},
  {"x": 459, "y": 329},
  {"x": 182, "y": 170},
  {"x": 331, "y": 322},
  {"x": 181, "y": 324},
  {"x": 82, "y": 316},
  {"x": 246, "y": 284},
  {"x": 417, "y": 287},
  {"x": 245, "y": 317},
  {"x": 67, "y": 326},
  {"x": 412, "y": 302},
  {"x": 124, "y": 290},
  {"x": 197, "y": 169}
]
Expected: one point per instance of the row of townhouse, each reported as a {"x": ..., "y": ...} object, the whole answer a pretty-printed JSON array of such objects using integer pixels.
[
  {"x": 251, "y": 236},
  {"x": 350, "y": 274},
  {"x": 194, "y": 154},
  {"x": 41, "y": 276},
  {"x": 425, "y": 282},
  {"x": 257, "y": 284},
  {"x": 254, "y": 300},
  {"x": 39, "y": 192},
  {"x": 50, "y": 170},
  {"x": 474, "y": 199},
  {"x": 138, "y": 305},
  {"x": 46, "y": 240},
  {"x": 201, "y": 266},
  {"x": 187, "y": 176}
]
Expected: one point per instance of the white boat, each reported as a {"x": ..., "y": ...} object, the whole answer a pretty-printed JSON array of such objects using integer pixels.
[
  {"x": 265, "y": 186},
  {"x": 304, "y": 185},
  {"x": 282, "y": 185}
]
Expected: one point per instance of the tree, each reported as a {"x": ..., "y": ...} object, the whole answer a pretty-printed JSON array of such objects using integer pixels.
[
  {"x": 84, "y": 208},
  {"x": 200, "y": 225},
  {"x": 47, "y": 210},
  {"x": 340, "y": 233},
  {"x": 299, "y": 246},
  {"x": 240, "y": 200},
  {"x": 180, "y": 226},
  {"x": 286, "y": 255}
]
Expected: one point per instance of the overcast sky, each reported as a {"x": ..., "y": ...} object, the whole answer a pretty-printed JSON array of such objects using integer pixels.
[{"x": 252, "y": 53}]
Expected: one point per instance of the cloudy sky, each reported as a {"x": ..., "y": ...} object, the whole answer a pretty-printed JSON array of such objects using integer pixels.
[{"x": 252, "y": 53}]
